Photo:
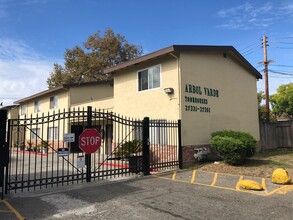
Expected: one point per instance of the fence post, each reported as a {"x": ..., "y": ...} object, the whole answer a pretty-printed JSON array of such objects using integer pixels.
[
  {"x": 88, "y": 157},
  {"x": 3, "y": 148},
  {"x": 180, "y": 153},
  {"x": 146, "y": 145}
]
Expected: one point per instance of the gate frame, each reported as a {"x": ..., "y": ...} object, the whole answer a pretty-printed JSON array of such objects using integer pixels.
[
  {"x": 4, "y": 157},
  {"x": 146, "y": 163}
]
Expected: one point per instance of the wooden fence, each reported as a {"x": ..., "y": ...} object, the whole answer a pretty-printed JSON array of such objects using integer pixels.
[{"x": 276, "y": 135}]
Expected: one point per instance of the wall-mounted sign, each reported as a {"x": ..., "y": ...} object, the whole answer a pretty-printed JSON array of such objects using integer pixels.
[
  {"x": 63, "y": 152},
  {"x": 69, "y": 137},
  {"x": 197, "y": 98},
  {"x": 80, "y": 162}
]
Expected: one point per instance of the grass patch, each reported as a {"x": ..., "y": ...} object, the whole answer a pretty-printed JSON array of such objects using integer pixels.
[
  {"x": 274, "y": 153},
  {"x": 273, "y": 163}
]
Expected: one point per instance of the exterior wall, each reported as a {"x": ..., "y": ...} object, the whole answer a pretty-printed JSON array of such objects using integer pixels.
[
  {"x": 44, "y": 109},
  {"x": 99, "y": 96},
  {"x": 154, "y": 103},
  {"x": 13, "y": 112},
  {"x": 63, "y": 101},
  {"x": 232, "y": 104},
  {"x": 104, "y": 104}
]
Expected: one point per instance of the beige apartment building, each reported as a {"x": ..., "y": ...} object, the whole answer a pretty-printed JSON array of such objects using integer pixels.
[{"x": 209, "y": 88}]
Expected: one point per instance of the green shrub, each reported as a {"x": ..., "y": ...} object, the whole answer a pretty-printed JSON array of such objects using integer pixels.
[
  {"x": 233, "y": 146},
  {"x": 246, "y": 138},
  {"x": 129, "y": 148}
]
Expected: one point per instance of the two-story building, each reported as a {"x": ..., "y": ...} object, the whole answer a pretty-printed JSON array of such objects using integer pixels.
[{"x": 209, "y": 88}]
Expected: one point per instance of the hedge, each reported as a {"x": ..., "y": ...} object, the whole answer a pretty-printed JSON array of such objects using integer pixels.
[{"x": 233, "y": 146}]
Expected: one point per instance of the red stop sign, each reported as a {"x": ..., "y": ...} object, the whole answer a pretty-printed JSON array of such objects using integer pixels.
[{"x": 90, "y": 140}]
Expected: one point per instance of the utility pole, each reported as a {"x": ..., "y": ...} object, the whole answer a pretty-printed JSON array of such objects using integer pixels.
[
  {"x": 264, "y": 39},
  {"x": 266, "y": 64}
]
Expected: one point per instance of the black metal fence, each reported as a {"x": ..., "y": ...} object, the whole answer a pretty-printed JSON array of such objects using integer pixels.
[{"x": 40, "y": 157}]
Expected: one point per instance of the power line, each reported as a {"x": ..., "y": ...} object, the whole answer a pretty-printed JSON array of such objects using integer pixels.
[
  {"x": 286, "y": 48},
  {"x": 284, "y": 42},
  {"x": 284, "y": 38},
  {"x": 249, "y": 53},
  {"x": 282, "y": 73},
  {"x": 281, "y": 65},
  {"x": 248, "y": 46},
  {"x": 251, "y": 49}
]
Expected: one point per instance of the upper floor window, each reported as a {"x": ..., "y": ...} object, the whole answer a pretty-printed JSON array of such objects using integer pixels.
[
  {"x": 23, "y": 109},
  {"x": 53, "y": 133},
  {"x": 53, "y": 102},
  {"x": 37, "y": 106},
  {"x": 149, "y": 78}
]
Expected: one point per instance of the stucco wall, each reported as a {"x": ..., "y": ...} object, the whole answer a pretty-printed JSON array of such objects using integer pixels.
[
  {"x": 231, "y": 104},
  {"x": 45, "y": 103},
  {"x": 154, "y": 103},
  {"x": 92, "y": 95}
]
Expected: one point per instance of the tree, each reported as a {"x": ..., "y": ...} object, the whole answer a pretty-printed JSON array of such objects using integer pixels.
[
  {"x": 261, "y": 107},
  {"x": 282, "y": 101},
  {"x": 84, "y": 64}
]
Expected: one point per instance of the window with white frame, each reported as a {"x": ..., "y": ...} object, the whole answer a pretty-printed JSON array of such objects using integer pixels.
[
  {"x": 53, "y": 133},
  {"x": 53, "y": 102},
  {"x": 37, "y": 106},
  {"x": 35, "y": 134},
  {"x": 23, "y": 109},
  {"x": 149, "y": 78}
]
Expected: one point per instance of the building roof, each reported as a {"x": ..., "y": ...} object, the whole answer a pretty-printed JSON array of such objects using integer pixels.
[
  {"x": 8, "y": 107},
  {"x": 63, "y": 87},
  {"x": 227, "y": 50}
]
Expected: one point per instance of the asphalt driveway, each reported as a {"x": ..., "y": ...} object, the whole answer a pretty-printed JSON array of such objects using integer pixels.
[{"x": 165, "y": 196}]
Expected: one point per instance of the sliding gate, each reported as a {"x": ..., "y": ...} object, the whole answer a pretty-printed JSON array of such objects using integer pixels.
[{"x": 44, "y": 150}]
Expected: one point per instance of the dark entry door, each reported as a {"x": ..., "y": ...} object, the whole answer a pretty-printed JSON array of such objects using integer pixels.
[{"x": 109, "y": 138}]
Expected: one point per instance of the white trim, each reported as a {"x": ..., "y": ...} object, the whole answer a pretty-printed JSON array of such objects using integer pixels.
[{"x": 137, "y": 78}]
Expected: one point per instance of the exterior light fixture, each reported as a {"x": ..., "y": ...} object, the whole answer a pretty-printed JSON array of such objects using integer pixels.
[{"x": 169, "y": 91}]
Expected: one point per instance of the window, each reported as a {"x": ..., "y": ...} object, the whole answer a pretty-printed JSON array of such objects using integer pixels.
[
  {"x": 149, "y": 78},
  {"x": 53, "y": 102},
  {"x": 23, "y": 109},
  {"x": 53, "y": 133},
  {"x": 37, "y": 106},
  {"x": 35, "y": 133}
]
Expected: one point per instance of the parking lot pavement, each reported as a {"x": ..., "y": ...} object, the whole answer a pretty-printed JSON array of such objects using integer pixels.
[
  {"x": 225, "y": 181},
  {"x": 7, "y": 211},
  {"x": 188, "y": 194}
]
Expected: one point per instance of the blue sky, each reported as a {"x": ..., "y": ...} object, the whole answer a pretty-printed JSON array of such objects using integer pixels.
[{"x": 34, "y": 34}]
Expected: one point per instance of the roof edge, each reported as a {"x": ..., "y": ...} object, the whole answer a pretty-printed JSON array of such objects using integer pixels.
[
  {"x": 60, "y": 87},
  {"x": 179, "y": 48}
]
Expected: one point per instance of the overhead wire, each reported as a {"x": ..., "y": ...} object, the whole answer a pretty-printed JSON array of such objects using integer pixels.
[
  {"x": 281, "y": 73},
  {"x": 250, "y": 51},
  {"x": 281, "y": 65},
  {"x": 248, "y": 46}
]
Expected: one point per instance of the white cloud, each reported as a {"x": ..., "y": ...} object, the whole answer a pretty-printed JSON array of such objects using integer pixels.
[
  {"x": 23, "y": 71},
  {"x": 249, "y": 16}
]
